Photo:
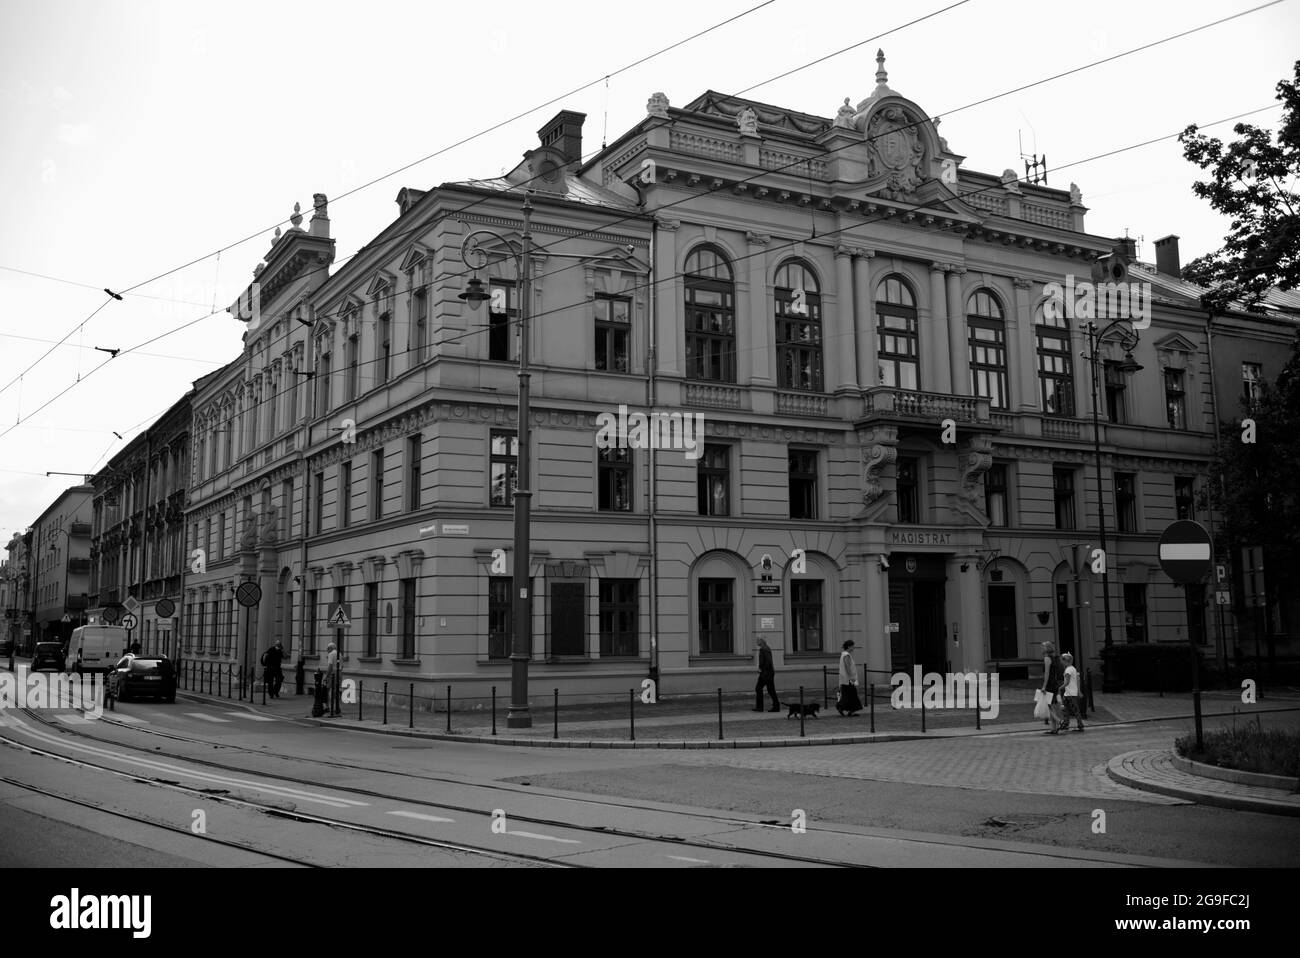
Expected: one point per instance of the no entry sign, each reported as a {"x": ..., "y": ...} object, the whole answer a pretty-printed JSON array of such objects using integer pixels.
[{"x": 1185, "y": 551}]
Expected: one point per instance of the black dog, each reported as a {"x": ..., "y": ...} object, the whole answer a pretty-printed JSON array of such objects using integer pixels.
[{"x": 808, "y": 709}]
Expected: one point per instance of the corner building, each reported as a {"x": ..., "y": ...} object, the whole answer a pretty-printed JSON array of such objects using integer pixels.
[{"x": 858, "y": 319}]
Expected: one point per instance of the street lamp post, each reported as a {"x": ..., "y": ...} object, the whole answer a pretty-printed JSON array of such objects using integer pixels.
[
  {"x": 1110, "y": 680},
  {"x": 518, "y": 714}
]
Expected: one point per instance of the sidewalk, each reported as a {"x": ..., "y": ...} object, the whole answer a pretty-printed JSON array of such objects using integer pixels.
[{"x": 691, "y": 722}]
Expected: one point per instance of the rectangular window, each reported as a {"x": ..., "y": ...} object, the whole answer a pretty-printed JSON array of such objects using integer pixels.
[
  {"x": 1252, "y": 380},
  {"x": 1116, "y": 384},
  {"x": 420, "y": 319},
  {"x": 615, "y": 482},
  {"x": 503, "y": 476},
  {"x": 1063, "y": 491},
  {"x": 503, "y": 310},
  {"x": 377, "y": 484},
  {"x": 214, "y": 618},
  {"x": 806, "y": 615},
  {"x": 710, "y": 332},
  {"x": 908, "y": 490},
  {"x": 1175, "y": 399},
  {"x": 414, "y": 464},
  {"x": 613, "y": 331},
  {"x": 352, "y": 354},
  {"x": 1184, "y": 502},
  {"x": 322, "y": 379},
  {"x": 713, "y": 481},
  {"x": 988, "y": 360},
  {"x": 500, "y": 615},
  {"x": 345, "y": 495},
  {"x": 271, "y": 408},
  {"x": 408, "y": 618},
  {"x": 221, "y": 535},
  {"x": 286, "y": 509},
  {"x": 318, "y": 502},
  {"x": 803, "y": 484},
  {"x": 372, "y": 619},
  {"x": 716, "y": 617},
  {"x": 568, "y": 618},
  {"x": 1126, "y": 501},
  {"x": 618, "y": 618},
  {"x": 896, "y": 346},
  {"x": 384, "y": 355},
  {"x": 997, "y": 495},
  {"x": 1135, "y": 612},
  {"x": 1055, "y": 371},
  {"x": 229, "y": 615},
  {"x": 313, "y": 610}
]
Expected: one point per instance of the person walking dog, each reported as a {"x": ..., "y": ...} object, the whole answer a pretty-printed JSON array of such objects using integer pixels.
[
  {"x": 766, "y": 678},
  {"x": 848, "y": 701}
]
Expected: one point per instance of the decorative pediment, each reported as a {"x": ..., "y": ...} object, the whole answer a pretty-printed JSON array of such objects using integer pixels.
[
  {"x": 713, "y": 103},
  {"x": 383, "y": 283},
  {"x": 1175, "y": 351},
  {"x": 416, "y": 256}
]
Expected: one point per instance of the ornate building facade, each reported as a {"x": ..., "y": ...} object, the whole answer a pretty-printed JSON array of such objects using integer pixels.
[
  {"x": 137, "y": 554},
  {"x": 897, "y": 442}
]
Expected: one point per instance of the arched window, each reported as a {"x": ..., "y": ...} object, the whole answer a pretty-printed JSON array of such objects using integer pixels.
[
  {"x": 988, "y": 348},
  {"x": 710, "y": 317},
  {"x": 798, "y": 328},
  {"x": 897, "y": 351}
]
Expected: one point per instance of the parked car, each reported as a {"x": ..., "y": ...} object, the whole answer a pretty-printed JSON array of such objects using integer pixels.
[
  {"x": 152, "y": 675},
  {"x": 49, "y": 655}
]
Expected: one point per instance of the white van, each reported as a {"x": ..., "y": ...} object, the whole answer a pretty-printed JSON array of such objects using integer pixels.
[{"x": 96, "y": 648}]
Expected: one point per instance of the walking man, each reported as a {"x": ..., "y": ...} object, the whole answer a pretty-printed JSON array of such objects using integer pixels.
[
  {"x": 274, "y": 677},
  {"x": 766, "y": 678}
]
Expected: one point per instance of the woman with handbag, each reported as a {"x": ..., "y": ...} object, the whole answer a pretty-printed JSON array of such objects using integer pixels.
[
  {"x": 848, "y": 701},
  {"x": 1053, "y": 676}
]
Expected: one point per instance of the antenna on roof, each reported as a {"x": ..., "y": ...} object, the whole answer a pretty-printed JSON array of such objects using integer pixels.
[{"x": 1035, "y": 166}]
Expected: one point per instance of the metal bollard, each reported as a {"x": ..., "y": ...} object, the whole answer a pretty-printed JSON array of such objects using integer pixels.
[
  {"x": 719, "y": 715},
  {"x": 410, "y": 707},
  {"x": 449, "y": 708},
  {"x": 923, "y": 710},
  {"x": 977, "y": 705},
  {"x": 631, "y": 714},
  {"x": 826, "y": 699},
  {"x": 555, "y": 715},
  {"x": 1091, "y": 706},
  {"x": 871, "y": 697},
  {"x": 385, "y": 719},
  {"x": 494, "y": 710},
  {"x": 361, "y": 698},
  {"x": 264, "y": 684},
  {"x": 801, "y": 711}
]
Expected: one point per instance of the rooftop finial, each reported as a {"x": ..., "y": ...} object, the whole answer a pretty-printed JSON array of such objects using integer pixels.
[
  {"x": 881, "y": 76},
  {"x": 296, "y": 219}
]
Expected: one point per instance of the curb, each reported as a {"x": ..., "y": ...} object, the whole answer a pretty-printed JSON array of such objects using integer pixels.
[
  {"x": 1235, "y": 776},
  {"x": 1116, "y": 772}
]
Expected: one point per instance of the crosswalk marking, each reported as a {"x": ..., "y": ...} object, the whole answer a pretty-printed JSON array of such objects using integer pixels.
[
  {"x": 422, "y": 817},
  {"x": 250, "y": 716},
  {"x": 72, "y": 719},
  {"x": 207, "y": 718},
  {"x": 696, "y": 861},
  {"x": 128, "y": 719}
]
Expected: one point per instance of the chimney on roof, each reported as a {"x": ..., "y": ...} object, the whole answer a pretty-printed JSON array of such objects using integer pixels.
[
  {"x": 1167, "y": 256},
  {"x": 1129, "y": 245},
  {"x": 564, "y": 133}
]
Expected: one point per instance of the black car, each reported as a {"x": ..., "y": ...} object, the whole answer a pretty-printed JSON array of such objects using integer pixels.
[
  {"x": 152, "y": 675},
  {"x": 49, "y": 655}
]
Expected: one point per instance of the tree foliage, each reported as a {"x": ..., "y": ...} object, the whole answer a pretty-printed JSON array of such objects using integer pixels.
[
  {"x": 1259, "y": 495},
  {"x": 1252, "y": 180}
]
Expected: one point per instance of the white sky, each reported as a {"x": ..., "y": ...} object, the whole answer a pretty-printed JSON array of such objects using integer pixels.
[{"x": 137, "y": 136}]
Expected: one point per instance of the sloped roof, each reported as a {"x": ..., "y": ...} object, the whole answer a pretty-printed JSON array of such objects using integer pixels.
[
  {"x": 1185, "y": 292},
  {"x": 576, "y": 190}
]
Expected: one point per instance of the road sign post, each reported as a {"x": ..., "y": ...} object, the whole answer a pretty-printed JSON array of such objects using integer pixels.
[
  {"x": 248, "y": 594},
  {"x": 1186, "y": 557}
]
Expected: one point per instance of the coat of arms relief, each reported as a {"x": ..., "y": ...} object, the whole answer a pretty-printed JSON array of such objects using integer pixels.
[{"x": 895, "y": 151}]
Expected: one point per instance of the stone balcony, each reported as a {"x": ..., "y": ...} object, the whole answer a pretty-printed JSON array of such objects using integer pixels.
[
  {"x": 802, "y": 404},
  {"x": 890, "y": 402},
  {"x": 712, "y": 395}
]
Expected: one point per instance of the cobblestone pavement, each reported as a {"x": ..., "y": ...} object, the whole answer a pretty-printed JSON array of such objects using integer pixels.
[{"x": 1072, "y": 764}]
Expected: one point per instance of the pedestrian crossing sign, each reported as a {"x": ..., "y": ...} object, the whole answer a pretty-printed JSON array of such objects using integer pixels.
[{"x": 339, "y": 619}]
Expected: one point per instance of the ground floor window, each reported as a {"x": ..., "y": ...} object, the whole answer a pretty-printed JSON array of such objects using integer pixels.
[
  {"x": 618, "y": 617},
  {"x": 717, "y": 612},
  {"x": 806, "y": 615},
  {"x": 1135, "y": 612}
]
